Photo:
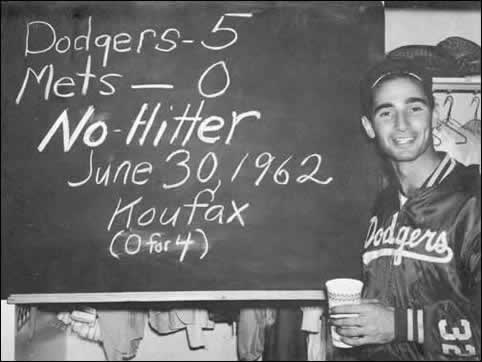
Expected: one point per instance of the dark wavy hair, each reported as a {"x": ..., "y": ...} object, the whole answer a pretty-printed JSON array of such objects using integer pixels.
[{"x": 392, "y": 69}]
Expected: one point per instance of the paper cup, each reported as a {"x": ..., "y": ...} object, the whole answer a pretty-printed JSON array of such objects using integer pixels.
[{"x": 342, "y": 291}]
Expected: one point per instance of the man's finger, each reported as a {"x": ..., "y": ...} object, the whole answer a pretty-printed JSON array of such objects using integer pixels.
[
  {"x": 348, "y": 308},
  {"x": 346, "y": 322},
  {"x": 350, "y": 331},
  {"x": 369, "y": 301},
  {"x": 355, "y": 341},
  {"x": 354, "y": 308}
]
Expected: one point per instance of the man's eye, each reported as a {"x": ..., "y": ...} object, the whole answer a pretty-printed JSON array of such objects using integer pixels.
[
  {"x": 416, "y": 108},
  {"x": 384, "y": 114}
]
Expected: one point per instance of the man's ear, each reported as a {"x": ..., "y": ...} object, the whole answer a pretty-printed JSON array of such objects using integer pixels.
[{"x": 367, "y": 125}]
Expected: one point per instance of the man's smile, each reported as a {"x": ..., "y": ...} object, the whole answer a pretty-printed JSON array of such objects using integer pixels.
[{"x": 400, "y": 141}]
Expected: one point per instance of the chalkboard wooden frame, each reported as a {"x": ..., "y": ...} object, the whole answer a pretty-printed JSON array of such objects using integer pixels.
[{"x": 180, "y": 296}]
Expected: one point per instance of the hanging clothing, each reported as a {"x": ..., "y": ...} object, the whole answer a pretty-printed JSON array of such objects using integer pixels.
[
  {"x": 122, "y": 331},
  {"x": 314, "y": 324},
  {"x": 464, "y": 147},
  {"x": 285, "y": 341},
  {"x": 473, "y": 126},
  {"x": 251, "y": 332},
  {"x": 193, "y": 320}
]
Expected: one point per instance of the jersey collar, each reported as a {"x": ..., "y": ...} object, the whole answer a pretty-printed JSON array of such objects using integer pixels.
[{"x": 445, "y": 167}]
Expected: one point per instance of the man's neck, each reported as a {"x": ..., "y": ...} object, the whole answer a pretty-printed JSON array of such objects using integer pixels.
[{"x": 412, "y": 174}]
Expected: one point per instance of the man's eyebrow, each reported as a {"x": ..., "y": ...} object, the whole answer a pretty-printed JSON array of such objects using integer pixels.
[
  {"x": 416, "y": 100},
  {"x": 383, "y": 105}
]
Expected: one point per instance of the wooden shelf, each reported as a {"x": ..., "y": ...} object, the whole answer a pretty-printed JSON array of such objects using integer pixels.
[{"x": 467, "y": 84}]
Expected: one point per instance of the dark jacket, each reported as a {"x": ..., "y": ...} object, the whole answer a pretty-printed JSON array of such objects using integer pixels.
[{"x": 424, "y": 259}]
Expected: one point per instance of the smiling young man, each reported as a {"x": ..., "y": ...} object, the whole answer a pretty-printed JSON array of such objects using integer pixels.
[{"x": 421, "y": 255}]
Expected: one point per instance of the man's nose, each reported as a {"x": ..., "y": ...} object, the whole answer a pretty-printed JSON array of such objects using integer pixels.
[{"x": 401, "y": 120}]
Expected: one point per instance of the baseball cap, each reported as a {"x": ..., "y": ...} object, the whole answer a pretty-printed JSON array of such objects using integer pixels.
[{"x": 389, "y": 69}]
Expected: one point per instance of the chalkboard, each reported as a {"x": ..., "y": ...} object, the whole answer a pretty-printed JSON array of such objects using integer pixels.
[{"x": 173, "y": 146}]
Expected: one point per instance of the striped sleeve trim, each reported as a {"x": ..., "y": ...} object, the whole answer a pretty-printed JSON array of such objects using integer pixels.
[
  {"x": 409, "y": 325},
  {"x": 420, "y": 326}
]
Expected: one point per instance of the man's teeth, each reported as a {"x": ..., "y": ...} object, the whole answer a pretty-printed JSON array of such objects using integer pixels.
[{"x": 403, "y": 140}]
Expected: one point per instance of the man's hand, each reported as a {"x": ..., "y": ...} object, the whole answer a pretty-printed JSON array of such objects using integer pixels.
[{"x": 374, "y": 324}]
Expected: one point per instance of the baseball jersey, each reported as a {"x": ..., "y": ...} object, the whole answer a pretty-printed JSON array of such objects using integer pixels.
[{"x": 421, "y": 256}]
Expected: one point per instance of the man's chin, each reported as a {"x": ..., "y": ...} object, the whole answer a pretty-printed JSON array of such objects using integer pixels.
[{"x": 405, "y": 156}]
